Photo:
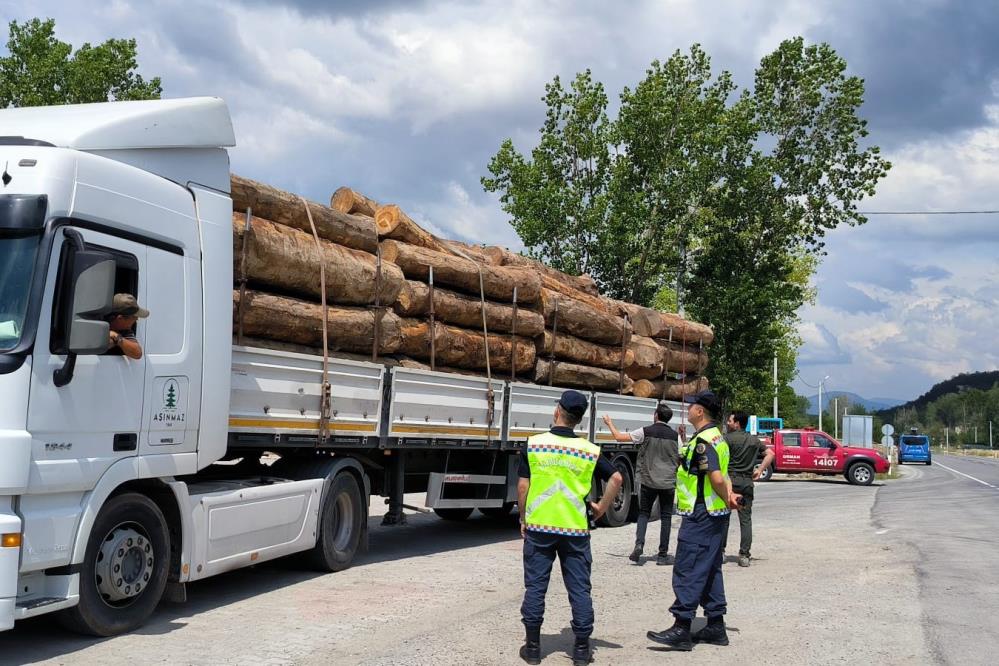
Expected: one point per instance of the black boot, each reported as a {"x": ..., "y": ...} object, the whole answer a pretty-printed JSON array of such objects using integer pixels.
[
  {"x": 581, "y": 654},
  {"x": 713, "y": 633},
  {"x": 636, "y": 554},
  {"x": 676, "y": 637},
  {"x": 530, "y": 651}
]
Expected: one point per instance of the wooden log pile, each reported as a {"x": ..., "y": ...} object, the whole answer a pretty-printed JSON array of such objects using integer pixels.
[{"x": 397, "y": 293}]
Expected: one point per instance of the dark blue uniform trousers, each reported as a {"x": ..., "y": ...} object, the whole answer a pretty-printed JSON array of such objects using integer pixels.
[
  {"x": 697, "y": 573},
  {"x": 575, "y": 559}
]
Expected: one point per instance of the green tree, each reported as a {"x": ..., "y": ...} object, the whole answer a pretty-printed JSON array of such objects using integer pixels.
[
  {"x": 701, "y": 195},
  {"x": 40, "y": 70},
  {"x": 558, "y": 199}
]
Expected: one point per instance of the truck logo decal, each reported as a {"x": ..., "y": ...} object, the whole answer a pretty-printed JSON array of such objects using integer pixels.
[{"x": 172, "y": 411}]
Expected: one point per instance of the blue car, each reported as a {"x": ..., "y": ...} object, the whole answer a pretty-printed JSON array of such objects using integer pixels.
[{"x": 914, "y": 448}]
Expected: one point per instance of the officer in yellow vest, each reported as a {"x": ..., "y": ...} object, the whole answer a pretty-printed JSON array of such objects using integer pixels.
[
  {"x": 556, "y": 474},
  {"x": 704, "y": 499}
]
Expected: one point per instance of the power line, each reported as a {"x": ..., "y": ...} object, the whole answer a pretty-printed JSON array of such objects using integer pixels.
[{"x": 929, "y": 212}]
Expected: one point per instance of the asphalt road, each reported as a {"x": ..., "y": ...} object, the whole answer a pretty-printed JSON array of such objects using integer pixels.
[
  {"x": 949, "y": 513},
  {"x": 825, "y": 587}
]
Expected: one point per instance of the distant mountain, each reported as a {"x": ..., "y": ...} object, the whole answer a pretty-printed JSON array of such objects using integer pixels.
[
  {"x": 978, "y": 380},
  {"x": 870, "y": 404}
]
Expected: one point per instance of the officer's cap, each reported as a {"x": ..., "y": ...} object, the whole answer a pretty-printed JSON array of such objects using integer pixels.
[
  {"x": 574, "y": 403},
  {"x": 706, "y": 399}
]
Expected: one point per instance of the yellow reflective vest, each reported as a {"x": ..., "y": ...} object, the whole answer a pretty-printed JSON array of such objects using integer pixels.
[
  {"x": 686, "y": 478},
  {"x": 561, "y": 474}
]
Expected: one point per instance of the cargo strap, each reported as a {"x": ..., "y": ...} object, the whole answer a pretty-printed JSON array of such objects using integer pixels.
[
  {"x": 551, "y": 356},
  {"x": 243, "y": 249},
  {"x": 325, "y": 399},
  {"x": 624, "y": 350},
  {"x": 666, "y": 356},
  {"x": 379, "y": 313},
  {"x": 432, "y": 331},
  {"x": 513, "y": 339}
]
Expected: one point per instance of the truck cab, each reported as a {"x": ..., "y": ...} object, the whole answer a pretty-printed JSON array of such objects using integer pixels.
[
  {"x": 914, "y": 448},
  {"x": 816, "y": 452}
]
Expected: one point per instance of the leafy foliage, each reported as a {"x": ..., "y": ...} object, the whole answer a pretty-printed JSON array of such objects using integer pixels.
[
  {"x": 701, "y": 196},
  {"x": 40, "y": 70}
]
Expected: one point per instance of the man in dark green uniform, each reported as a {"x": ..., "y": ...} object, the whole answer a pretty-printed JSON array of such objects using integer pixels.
[{"x": 744, "y": 449}]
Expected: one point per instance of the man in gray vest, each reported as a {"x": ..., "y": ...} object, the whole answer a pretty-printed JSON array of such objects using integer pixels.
[
  {"x": 658, "y": 458},
  {"x": 744, "y": 451}
]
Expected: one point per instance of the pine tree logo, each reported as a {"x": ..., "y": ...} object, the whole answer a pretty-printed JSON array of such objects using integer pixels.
[{"x": 171, "y": 392}]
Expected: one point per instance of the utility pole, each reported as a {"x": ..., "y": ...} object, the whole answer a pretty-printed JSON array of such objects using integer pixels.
[
  {"x": 836, "y": 417},
  {"x": 990, "y": 433},
  {"x": 821, "y": 382},
  {"x": 775, "y": 385}
]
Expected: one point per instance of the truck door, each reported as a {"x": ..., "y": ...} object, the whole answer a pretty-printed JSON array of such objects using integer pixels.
[
  {"x": 820, "y": 454},
  {"x": 79, "y": 430},
  {"x": 788, "y": 451}
]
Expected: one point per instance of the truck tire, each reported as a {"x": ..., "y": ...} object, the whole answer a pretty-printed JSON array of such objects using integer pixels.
[
  {"x": 929, "y": 461},
  {"x": 498, "y": 512},
  {"x": 766, "y": 473},
  {"x": 860, "y": 474},
  {"x": 617, "y": 514},
  {"x": 454, "y": 514},
  {"x": 125, "y": 568},
  {"x": 341, "y": 524}
]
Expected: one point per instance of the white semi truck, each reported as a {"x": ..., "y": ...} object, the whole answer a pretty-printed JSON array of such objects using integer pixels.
[{"x": 122, "y": 480}]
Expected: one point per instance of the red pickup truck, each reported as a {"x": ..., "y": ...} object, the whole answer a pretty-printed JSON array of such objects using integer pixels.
[{"x": 816, "y": 452}]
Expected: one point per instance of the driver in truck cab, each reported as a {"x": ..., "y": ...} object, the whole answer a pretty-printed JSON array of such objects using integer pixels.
[{"x": 125, "y": 314}]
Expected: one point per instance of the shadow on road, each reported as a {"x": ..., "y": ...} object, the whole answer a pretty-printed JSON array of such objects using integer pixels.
[{"x": 43, "y": 637}]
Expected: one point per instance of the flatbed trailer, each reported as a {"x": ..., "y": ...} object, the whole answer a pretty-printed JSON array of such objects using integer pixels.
[{"x": 124, "y": 480}]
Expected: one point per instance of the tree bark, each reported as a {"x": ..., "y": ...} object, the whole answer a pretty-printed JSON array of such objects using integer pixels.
[
  {"x": 580, "y": 351},
  {"x": 352, "y": 202},
  {"x": 460, "y": 348},
  {"x": 654, "y": 324},
  {"x": 684, "y": 359},
  {"x": 392, "y": 223},
  {"x": 474, "y": 252},
  {"x": 288, "y": 259},
  {"x": 648, "y": 358},
  {"x": 573, "y": 375},
  {"x": 264, "y": 343},
  {"x": 300, "y": 322},
  {"x": 498, "y": 281},
  {"x": 579, "y": 319},
  {"x": 500, "y": 256},
  {"x": 466, "y": 311},
  {"x": 287, "y": 209},
  {"x": 674, "y": 389}
]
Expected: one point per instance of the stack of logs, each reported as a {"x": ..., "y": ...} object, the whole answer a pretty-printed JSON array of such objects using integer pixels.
[{"x": 399, "y": 295}]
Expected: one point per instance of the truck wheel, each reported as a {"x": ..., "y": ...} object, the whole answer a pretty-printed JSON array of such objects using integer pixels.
[
  {"x": 929, "y": 461},
  {"x": 860, "y": 474},
  {"x": 617, "y": 514},
  {"x": 767, "y": 473},
  {"x": 498, "y": 512},
  {"x": 124, "y": 568},
  {"x": 454, "y": 514},
  {"x": 340, "y": 525}
]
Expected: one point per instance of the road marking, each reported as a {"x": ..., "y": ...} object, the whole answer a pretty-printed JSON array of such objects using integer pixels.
[{"x": 951, "y": 469}]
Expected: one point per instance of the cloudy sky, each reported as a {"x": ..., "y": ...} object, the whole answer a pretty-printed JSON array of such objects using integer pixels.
[{"x": 407, "y": 100}]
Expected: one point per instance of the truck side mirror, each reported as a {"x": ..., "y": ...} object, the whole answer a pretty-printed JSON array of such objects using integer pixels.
[
  {"x": 93, "y": 292},
  {"x": 90, "y": 286}
]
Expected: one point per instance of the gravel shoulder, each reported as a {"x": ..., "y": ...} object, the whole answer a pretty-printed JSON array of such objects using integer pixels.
[{"x": 824, "y": 588}]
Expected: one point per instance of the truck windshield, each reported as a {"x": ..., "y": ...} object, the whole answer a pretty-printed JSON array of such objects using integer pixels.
[{"x": 18, "y": 252}]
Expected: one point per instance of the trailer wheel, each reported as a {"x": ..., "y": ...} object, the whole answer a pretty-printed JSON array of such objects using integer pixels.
[
  {"x": 340, "y": 525},
  {"x": 860, "y": 474},
  {"x": 454, "y": 514},
  {"x": 617, "y": 514},
  {"x": 124, "y": 568}
]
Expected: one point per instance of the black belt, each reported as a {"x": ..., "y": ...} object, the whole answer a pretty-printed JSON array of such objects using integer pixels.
[{"x": 746, "y": 475}]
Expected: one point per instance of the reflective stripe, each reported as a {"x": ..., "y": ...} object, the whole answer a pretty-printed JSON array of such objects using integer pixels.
[{"x": 557, "y": 488}]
